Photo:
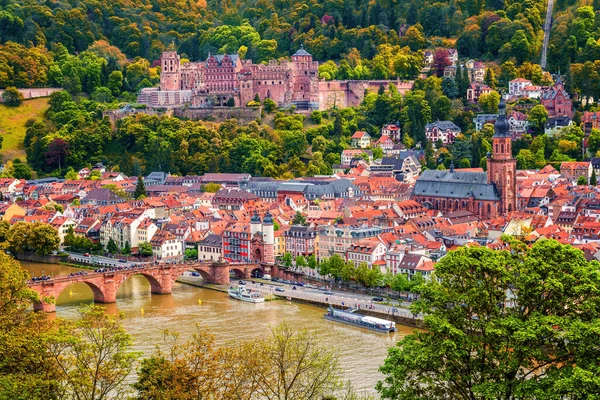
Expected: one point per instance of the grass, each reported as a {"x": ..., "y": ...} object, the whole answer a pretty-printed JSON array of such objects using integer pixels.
[{"x": 12, "y": 126}]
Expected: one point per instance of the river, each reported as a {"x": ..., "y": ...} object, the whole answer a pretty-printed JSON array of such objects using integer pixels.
[{"x": 361, "y": 351}]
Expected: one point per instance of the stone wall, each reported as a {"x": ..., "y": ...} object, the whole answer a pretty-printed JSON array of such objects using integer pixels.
[
  {"x": 49, "y": 259},
  {"x": 343, "y": 94},
  {"x": 244, "y": 115},
  {"x": 34, "y": 93}
]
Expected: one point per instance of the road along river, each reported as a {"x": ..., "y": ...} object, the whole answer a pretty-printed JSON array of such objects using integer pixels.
[{"x": 147, "y": 316}]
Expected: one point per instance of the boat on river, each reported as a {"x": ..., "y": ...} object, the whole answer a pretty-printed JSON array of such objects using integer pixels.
[
  {"x": 243, "y": 294},
  {"x": 363, "y": 321}
]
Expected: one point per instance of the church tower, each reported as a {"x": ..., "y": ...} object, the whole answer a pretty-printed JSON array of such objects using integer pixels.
[{"x": 501, "y": 166}]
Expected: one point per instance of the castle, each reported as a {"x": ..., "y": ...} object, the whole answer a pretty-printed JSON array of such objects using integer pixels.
[
  {"x": 222, "y": 79},
  {"x": 225, "y": 80},
  {"x": 486, "y": 194}
]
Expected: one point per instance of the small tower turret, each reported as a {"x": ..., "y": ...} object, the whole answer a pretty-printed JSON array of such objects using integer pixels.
[{"x": 255, "y": 224}]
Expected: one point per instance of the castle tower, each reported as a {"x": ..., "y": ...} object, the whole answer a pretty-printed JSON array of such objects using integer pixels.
[
  {"x": 255, "y": 224},
  {"x": 269, "y": 239},
  {"x": 169, "y": 71},
  {"x": 501, "y": 166}
]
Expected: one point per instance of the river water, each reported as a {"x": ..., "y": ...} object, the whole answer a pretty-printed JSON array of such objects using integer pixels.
[{"x": 361, "y": 351}]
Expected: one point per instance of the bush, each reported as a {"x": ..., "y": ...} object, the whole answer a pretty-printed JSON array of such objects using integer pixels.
[{"x": 12, "y": 97}]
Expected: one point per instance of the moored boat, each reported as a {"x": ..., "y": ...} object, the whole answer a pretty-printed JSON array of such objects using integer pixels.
[
  {"x": 362, "y": 321},
  {"x": 243, "y": 294}
]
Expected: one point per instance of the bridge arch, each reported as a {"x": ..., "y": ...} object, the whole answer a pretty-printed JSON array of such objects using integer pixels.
[
  {"x": 240, "y": 272},
  {"x": 155, "y": 285},
  {"x": 100, "y": 295},
  {"x": 256, "y": 272}
]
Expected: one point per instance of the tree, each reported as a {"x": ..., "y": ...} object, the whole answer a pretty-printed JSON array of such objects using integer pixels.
[
  {"x": 537, "y": 117},
  {"x": 58, "y": 150},
  {"x": 269, "y": 105},
  {"x": 594, "y": 141},
  {"x": 25, "y": 370},
  {"x": 299, "y": 219},
  {"x": 115, "y": 82},
  {"x": 12, "y": 97},
  {"x": 295, "y": 366},
  {"x": 489, "y": 102},
  {"x": 112, "y": 247},
  {"x": 301, "y": 261},
  {"x": 18, "y": 238},
  {"x": 212, "y": 187},
  {"x": 140, "y": 189},
  {"x": 312, "y": 261},
  {"x": 126, "y": 248},
  {"x": 43, "y": 239},
  {"x": 490, "y": 78},
  {"x": 582, "y": 181},
  {"x": 285, "y": 365},
  {"x": 286, "y": 260},
  {"x": 441, "y": 60},
  {"x": 145, "y": 249},
  {"x": 593, "y": 179},
  {"x": 93, "y": 355},
  {"x": 480, "y": 343}
]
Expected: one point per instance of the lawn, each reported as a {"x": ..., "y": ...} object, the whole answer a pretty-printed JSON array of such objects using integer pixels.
[{"x": 12, "y": 126}]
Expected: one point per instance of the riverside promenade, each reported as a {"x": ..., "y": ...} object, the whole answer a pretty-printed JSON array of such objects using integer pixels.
[{"x": 318, "y": 298}]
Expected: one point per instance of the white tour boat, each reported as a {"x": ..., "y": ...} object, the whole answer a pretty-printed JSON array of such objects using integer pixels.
[{"x": 243, "y": 294}]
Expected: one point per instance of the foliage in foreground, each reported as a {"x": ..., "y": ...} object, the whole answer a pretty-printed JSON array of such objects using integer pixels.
[
  {"x": 518, "y": 324},
  {"x": 285, "y": 365}
]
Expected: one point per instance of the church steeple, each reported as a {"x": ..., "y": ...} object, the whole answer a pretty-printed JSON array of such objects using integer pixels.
[{"x": 501, "y": 166}]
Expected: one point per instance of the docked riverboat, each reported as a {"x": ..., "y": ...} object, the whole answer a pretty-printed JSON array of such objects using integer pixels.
[
  {"x": 243, "y": 294},
  {"x": 362, "y": 321}
]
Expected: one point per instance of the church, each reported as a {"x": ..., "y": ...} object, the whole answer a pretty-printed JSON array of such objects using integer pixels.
[{"x": 485, "y": 194}]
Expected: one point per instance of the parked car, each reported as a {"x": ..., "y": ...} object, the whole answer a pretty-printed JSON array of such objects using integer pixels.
[
  {"x": 274, "y": 279},
  {"x": 279, "y": 289},
  {"x": 242, "y": 283},
  {"x": 377, "y": 298},
  {"x": 86, "y": 254},
  {"x": 122, "y": 261},
  {"x": 328, "y": 292}
]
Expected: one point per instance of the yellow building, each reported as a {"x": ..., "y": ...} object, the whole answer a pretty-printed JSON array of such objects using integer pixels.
[
  {"x": 12, "y": 210},
  {"x": 279, "y": 243}
]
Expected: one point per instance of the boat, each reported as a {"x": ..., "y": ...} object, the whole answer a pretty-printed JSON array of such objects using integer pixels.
[
  {"x": 243, "y": 294},
  {"x": 362, "y": 321}
]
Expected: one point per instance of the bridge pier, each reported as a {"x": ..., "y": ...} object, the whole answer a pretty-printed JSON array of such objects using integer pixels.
[
  {"x": 44, "y": 307},
  {"x": 220, "y": 274},
  {"x": 164, "y": 283},
  {"x": 108, "y": 292}
]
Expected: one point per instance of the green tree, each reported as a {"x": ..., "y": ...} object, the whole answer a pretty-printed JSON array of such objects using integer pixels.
[
  {"x": 112, "y": 247},
  {"x": 43, "y": 239},
  {"x": 18, "y": 238},
  {"x": 490, "y": 78},
  {"x": 301, "y": 261},
  {"x": 25, "y": 370},
  {"x": 145, "y": 249},
  {"x": 537, "y": 117},
  {"x": 140, "y": 189},
  {"x": 269, "y": 105},
  {"x": 489, "y": 102},
  {"x": 496, "y": 326},
  {"x": 299, "y": 219},
  {"x": 12, "y": 97},
  {"x": 93, "y": 355},
  {"x": 286, "y": 260},
  {"x": 312, "y": 261},
  {"x": 593, "y": 141},
  {"x": 593, "y": 179},
  {"x": 126, "y": 248},
  {"x": 212, "y": 187},
  {"x": 582, "y": 181},
  {"x": 115, "y": 82}
]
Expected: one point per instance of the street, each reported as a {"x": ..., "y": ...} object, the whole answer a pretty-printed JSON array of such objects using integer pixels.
[{"x": 338, "y": 298}]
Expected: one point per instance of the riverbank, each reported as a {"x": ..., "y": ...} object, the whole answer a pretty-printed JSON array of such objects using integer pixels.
[{"x": 319, "y": 299}]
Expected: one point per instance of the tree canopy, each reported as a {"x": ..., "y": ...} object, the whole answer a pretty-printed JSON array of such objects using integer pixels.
[{"x": 516, "y": 323}]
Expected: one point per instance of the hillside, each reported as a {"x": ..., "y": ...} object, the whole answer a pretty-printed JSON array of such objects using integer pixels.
[{"x": 12, "y": 126}]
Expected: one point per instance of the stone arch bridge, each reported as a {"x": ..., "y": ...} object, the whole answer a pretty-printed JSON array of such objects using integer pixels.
[{"x": 161, "y": 277}]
